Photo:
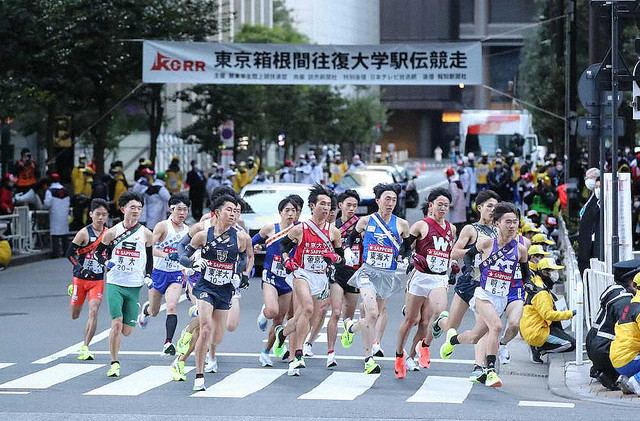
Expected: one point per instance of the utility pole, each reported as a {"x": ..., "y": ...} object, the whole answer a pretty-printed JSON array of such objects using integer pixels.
[
  {"x": 570, "y": 91},
  {"x": 615, "y": 239}
]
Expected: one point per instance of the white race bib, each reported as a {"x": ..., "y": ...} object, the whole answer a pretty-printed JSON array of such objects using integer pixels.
[
  {"x": 380, "y": 256},
  {"x": 218, "y": 273},
  {"x": 498, "y": 283},
  {"x": 277, "y": 268},
  {"x": 314, "y": 263},
  {"x": 171, "y": 265},
  {"x": 92, "y": 265},
  {"x": 438, "y": 261}
]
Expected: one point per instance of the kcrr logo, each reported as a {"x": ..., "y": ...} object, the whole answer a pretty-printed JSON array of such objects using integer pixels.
[{"x": 174, "y": 65}]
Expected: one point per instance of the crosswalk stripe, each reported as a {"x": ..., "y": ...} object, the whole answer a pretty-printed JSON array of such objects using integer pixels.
[
  {"x": 544, "y": 404},
  {"x": 139, "y": 382},
  {"x": 342, "y": 386},
  {"x": 241, "y": 384},
  {"x": 50, "y": 376},
  {"x": 5, "y": 365},
  {"x": 440, "y": 389}
]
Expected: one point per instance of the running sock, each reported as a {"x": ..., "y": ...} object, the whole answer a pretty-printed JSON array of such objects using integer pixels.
[
  {"x": 144, "y": 311},
  {"x": 502, "y": 343},
  {"x": 281, "y": 336},
  {"x": 491, "y": 361},
  {"x": 367, "y": 359},
  {"x": 454, "y": 340},
  {"x": 200, "y": 376},
  {"x": 298, "y": 353},
  {"x": 331, "y": 351},
  {"x": 477, "y": 367},
  {"x": 170, "y": 324},
  {"x": 115, "y": 362},
  {"x": 399, "y": 355},
  {"x": 424, "y": 344}
]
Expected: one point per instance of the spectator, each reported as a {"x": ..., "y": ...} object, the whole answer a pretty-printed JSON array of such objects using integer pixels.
[
  {"x": 6, "y": 196},
  {"x": 356, "y": 163},
  {"x": 457, "y": 209},
  {"x": 465, "y": 181},
  {"x": 142, "y": 164},
  {"x": 229, "y": 178},
  {"x": 544, "y": 196},
  {"x": 26, "y": 171},
  {"x": 540, "y": 325},
  {"x": 470, "y": 169},
  {"x": 613, "y": 301},
  {"x": 174, "y": 176},
  {"x": 482, "y": 172},
  {"x": 100, "y": 188},
  {"x": 529, "y": 230},
  {"x": 589, "y": 225},
  {"x": 252, "y": 168},
  {"x": 197, "y": 189},
  {"x": 316, "y": 170},
  {"x": 117, "y": 184},
  {"x": 303, "y": 171},
  {"x": 141, "y": 185},
  {"x": 499, "y": 180},
  {"x": 337, "y": 168},
  {"x": 156, "y": 197},
  {"x": 215, "y": 179},
  {"x": 77, "y": 177},
  {"x": 260, "y": 178},
  {"x": 287, "y": 175},
  {"x": 57, "y": 200},
  {"x": 625, "y": 352},
  {"x": 243, "y": 177}
]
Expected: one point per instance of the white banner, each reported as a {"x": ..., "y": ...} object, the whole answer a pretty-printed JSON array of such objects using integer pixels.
[
  {"x": 286, "y": 64},
  {"x": 623, "y": 217}
]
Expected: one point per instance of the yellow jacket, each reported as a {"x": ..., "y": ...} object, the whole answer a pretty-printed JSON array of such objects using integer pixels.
[
  {"x": 174, "y": 181},
  {"x": 77, "y": 179},
  {"x": 539, "y": 311},
  {"x": 482, "y": 171},
  {"x": 119, "y": 189},
  {"x": 626, "y": 345},
  {"x": 241, "y": 179}
]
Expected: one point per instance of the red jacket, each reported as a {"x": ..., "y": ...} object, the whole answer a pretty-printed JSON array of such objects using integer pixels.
[{"x": 6, "y": 202}]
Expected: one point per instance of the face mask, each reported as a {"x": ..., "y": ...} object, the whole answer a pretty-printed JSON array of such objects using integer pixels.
[
  {"x": 636, "y": 205},
  {"x": 554, "y": 276},
  {"x": 597, "y": 193},
  {"x": 590, "y": 183},
  {"x": 442, "y": 208}
]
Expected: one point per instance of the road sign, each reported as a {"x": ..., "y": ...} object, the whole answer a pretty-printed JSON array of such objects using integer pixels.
[
  {"x": 589, "y": 126},
  {"x": 226, "y": 133},
  {"x": 607, "y": 99},
  {"x": 588, "y": 89}
]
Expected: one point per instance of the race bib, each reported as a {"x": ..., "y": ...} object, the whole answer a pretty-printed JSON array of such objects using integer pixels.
[
  {"x": 437, "y": 260},
  {"x": 356, "y": 252},
  {"x": 314, "y": 263},
  {"x": 170, "y": 264},
  {"x": 498, "y": 283},
  {"x": 380, "y": 256},
  {"x": 277, "y": 268},
  {"x": 126, "y": 260},
  {"x": 218, "y": 273},
  {"x": 92, "y": 265}
]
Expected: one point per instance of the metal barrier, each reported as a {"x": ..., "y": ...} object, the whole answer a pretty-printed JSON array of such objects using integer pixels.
[{"x": 574, "y": 289}]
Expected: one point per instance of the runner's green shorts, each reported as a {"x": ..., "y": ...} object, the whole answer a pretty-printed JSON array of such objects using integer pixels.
[{"x": 123, "y": 302}]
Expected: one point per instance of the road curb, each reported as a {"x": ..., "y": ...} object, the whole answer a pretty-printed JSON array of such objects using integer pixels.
[
  {"x": 558, "y": 386},
  {"x": 23, "y": 259}
]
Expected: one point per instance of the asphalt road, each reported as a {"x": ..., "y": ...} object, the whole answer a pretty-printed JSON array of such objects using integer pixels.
[{"x": 41, "y": 379}]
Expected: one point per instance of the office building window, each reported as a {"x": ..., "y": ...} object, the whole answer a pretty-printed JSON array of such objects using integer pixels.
[
  {"x": 503, "y": 68},
  {"x": 467, "y": 9},
  {"x": 511, "y": 11}
]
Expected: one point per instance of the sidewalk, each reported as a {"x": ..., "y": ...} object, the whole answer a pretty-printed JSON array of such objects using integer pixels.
[
  {"x": 24, "y": 258},
  {"x": 571, "y": 381}
]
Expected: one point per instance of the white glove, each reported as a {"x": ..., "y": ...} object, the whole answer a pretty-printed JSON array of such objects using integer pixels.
[
  {"x": 402, "y": 264},
  {"x": 350, "y": 258},
  {"x": 148, "y": 281},
  {"x": 200, "y": 265}
]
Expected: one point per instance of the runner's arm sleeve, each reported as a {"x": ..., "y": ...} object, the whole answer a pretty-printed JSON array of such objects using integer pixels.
[
  {"x": 183, "y": 244},
  {"x": 470, "y": 255},
  {"x": 405, "y": 248},
  {"x": 242, "y": 262},
  {"x": 149, "y": 265},
  {"x": 340, "y": 252},
  {"x": 526, "y": 273},
  {"x": 185, "y": 257},
  {"x": 257, "y": 239},
  {"x": 71, "y": 253},
  {"x": 286, "y": 244},
  {"x": 351, "y": 239},
  {"x": 99, "y": 254}
]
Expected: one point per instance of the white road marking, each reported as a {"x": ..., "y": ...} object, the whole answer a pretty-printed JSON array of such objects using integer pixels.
[
  {"x": 439, "y": 389},
  {"x": 97, "y": 338},
  {"x": 5, "y": 365},
  {"x": 242, "y": 383},
  {"x": 256, "y": 355},
  {"x": 545, "y": 404},
  {"x": 342, "y": 386},
  {"x": 50, "y": 376},
  {"x": 139, "y": 382},
  {"x": 13, "y": 393}
]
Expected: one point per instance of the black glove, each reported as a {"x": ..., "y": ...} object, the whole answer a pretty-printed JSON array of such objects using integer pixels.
[
  {"x": 409, "y": 267},
  {"x": 452, "y": 278},
  {"x": 331, "y": 272},
  {"x": 244, "y": 281},
  {"x": 174, "y": 256},
  {"x": 86, "y": 274},
  {"x": 574, "y": 312}
]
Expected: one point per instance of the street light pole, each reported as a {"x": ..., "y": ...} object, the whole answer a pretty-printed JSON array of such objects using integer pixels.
[{"x": 615, "y": 239}]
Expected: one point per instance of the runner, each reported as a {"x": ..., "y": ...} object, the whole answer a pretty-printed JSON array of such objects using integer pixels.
[
  {"x": 376, "y": 278},
  {"x": 319, "y": 247},
  {"x": 343, "y": 296},
  {"x": 500, "y": 256},
  {"x": 219, "y": 257},
  {"x": 87, "y": 273},
  {"x": 427, "y": 285},
  {"x": 131, "y": 262},
  {"x": 167, "y": 275},
  {"x": 276, "y": 292}
]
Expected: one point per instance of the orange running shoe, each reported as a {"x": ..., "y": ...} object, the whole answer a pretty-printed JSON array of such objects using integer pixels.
[
  {"x": 424, "y": 359},
  {"x": 400, "y": 367}
]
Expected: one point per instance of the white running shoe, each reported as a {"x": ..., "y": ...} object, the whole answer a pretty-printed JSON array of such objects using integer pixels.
[
  {"x": 634, "y": 385},
  {"x": 193, "y": 311},
  {"x": 262, "y": 321},
  {"x": 168, "y": 350},
  {"x": 411, "y": 364},
  {"x": 143, "y": 319},
  {"x": 307, "y": 350},
  {"x": 264, "y": 359},
  {"x": 198, "y": 384},
  {"x": 503, "y": 354},
  {"x": 376, "y": 350},
  {"x": 293, "y": 372},
  {"x": 210, "y": 365},
  {"x": 331, "y": 360}
]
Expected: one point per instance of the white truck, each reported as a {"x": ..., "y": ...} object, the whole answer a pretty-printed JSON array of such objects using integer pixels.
[{"x": 488, "y": 130}]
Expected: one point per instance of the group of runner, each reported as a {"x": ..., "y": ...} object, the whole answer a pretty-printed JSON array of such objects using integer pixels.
[{"x": 308, "y": 267}]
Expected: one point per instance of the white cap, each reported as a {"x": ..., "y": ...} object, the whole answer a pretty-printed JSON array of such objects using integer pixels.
[{"x": 229, "y": 173}]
